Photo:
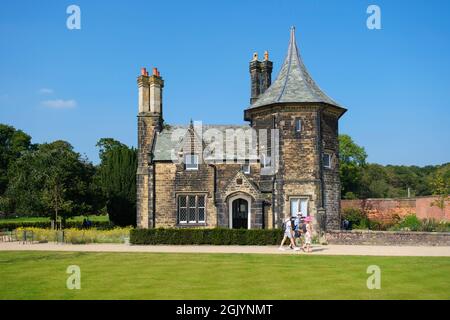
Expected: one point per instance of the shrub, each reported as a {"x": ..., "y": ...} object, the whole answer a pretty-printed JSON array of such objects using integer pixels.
[
  {"x": 77, "y": 236},
  {"x": 429, "y": 225},
  {"x": 443, "y": 227},
  {"x": 356, "y": 217},
  {"x": 218, "y": 236},
  {"x": 381, "y": 225},
  {"x": 410, "y": 223}
]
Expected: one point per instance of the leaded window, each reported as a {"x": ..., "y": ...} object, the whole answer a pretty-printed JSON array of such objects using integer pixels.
[{"x": 191, "y": 209}]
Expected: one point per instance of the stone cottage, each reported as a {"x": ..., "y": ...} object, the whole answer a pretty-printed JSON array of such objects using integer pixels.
[{"x": 180, "y": 183}]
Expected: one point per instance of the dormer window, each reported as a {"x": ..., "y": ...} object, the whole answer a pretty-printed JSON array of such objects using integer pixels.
[
  {"x": 246, "y": 167},
  {"x": 265, "y": 161},
  {"x": 191, "y": 162},
  {"x": 326, "y": 159},
  {"x": 298, "y": 125}
]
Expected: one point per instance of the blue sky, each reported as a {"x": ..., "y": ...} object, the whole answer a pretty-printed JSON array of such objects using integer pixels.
[{"x": 80, "y": 85}]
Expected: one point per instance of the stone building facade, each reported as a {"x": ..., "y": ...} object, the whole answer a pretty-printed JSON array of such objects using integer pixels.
[{"x": 296, "y": 169}]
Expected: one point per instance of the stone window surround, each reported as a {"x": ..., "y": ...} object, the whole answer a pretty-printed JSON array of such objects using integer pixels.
[
  {"x": 187, "y": 224},
  {"x": 303, "y": 197}
]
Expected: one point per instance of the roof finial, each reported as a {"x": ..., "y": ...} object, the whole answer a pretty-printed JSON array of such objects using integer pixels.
[{"x": 292, "y": 33}]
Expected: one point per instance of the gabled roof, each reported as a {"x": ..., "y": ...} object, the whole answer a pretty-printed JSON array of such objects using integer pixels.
[
  {"x": 165, "y": 141},
  {"x": 293, "y": 84}
]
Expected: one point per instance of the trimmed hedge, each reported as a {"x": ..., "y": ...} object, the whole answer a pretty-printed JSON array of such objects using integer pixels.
[
  {"x": 218, "y": 236},
  {"x": 47, "y": 225}
]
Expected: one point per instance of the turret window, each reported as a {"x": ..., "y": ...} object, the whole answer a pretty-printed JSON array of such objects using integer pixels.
[
  {"x": 326, "y": 159},
  {"x": 298, "y": 125}
]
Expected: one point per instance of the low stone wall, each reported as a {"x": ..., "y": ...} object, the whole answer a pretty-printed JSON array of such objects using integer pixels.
[{"x": 388, "y": 238}]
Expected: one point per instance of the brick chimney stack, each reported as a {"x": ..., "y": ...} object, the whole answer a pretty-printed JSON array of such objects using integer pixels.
[
  {"x": 266, "y": 73},
  {"x": 150, "y": 92},
  {"x": 150, "y": 122},
  {"x": 260, "y": 75},
  {"x": 255, "y": 78}
]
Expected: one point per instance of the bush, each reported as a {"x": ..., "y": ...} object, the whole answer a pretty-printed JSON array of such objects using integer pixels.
[
  {"x": 47, "y": 225},
  {"x": 429, "y": 225},
  {"x": 356, "y": 217},
  {"x": 122, "y": 211},
  {"x": 443, "y": 227},
  {"x": 218, "y": 236},
  {"x": 77, "y": 236},
  {"x": 410, "y": 223}
]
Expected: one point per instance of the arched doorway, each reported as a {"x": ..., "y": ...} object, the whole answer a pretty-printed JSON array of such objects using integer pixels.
[{"x": 239, "y": 214}]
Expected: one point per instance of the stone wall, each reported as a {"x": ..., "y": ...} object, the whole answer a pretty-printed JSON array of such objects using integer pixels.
[
  {"x": 387, "y": 238},
  {"x": 386, "y": 209},
  {"x": 300, "y": 173},
  {"x": 331, "y": 177},
  {"x": 148, "y": 125}
]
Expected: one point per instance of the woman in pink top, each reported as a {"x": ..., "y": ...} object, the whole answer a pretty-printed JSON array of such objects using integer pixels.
[{"x": 308, "y": 234}]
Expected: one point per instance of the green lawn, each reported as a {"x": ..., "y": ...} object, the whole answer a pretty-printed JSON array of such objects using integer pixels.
[
  {"x": 42, "y": 275},
  {"x": 45, "y": 219}
]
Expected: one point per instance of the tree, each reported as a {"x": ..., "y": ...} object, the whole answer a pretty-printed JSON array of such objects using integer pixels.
[
  {"x": 352, "y": 160},
  {"x": 52, "y": 180},
  {"x": 106, "y": 146},
  {"x": 440, "y": 186},
  {"x": 12, "y": 144},
  {"x": 117, "y": 178}
]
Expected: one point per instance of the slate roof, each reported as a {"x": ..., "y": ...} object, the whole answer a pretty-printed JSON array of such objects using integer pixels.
[
  {"x": 165, "y": 142},
  {"x": 293, "y": 84}
]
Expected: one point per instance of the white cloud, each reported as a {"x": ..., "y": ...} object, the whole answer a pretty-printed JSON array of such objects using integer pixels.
[
  {"x": 59, "y": 104},
  {"x": 45, "y": 91}
]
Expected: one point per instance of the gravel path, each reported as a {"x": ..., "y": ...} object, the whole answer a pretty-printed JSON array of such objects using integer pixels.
[{"x": 317, "y": 249}]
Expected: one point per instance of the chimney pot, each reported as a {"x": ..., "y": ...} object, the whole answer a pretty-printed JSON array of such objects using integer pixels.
[
  {"x": 144, "y": 72},
  {"x": 155, "y": 71}
]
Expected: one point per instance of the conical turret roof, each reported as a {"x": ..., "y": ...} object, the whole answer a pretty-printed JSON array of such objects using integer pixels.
[{"x": 293, "y": 84}]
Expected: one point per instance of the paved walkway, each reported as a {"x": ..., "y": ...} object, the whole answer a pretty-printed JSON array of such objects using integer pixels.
[{"x": 317, "y": 249}]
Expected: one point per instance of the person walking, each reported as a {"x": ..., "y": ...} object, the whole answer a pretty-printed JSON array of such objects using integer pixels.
[
  {"x": 288, "y": 233},
  {"x": 297, "y": 229},
  {"x": 308, "y": 235}
]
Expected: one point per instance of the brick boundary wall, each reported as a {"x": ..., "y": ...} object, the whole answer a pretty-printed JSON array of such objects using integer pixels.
[
  {"x": 386, "y": 209},
  {"x": 388, "y": 238}
]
